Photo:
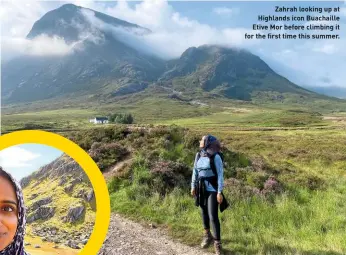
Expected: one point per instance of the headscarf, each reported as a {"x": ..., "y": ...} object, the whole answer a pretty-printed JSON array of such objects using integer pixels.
[
  {"x": 17, "y": 245},
  {"x": 211, "y": 146}
]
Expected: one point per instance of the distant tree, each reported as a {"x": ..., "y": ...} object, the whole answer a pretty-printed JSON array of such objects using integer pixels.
[{"x": 121, "y": 118}]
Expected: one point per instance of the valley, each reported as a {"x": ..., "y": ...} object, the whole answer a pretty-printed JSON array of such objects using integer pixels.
[{"x": 284, "y": 145}]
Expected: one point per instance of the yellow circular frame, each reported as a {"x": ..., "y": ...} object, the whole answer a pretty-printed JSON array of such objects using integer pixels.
[{"x": 87, "y": 164}]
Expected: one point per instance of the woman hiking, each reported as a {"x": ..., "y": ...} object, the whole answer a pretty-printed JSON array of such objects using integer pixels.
[
  {"x": 207, "y": 187},
  {"x": 12, "y": 216}
]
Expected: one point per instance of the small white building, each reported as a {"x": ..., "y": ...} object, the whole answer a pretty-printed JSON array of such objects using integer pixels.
[{"x": 99, "y": 120}]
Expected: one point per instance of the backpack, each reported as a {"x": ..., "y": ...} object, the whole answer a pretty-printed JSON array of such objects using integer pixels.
[
  {"x": 213, "y": 167},
  {"x": 224, "y": 205}
]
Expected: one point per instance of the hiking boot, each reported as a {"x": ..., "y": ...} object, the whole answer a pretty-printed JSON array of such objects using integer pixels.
[
  {"x": 218, "y": 248},
  {"x": 207, "y": 239}
]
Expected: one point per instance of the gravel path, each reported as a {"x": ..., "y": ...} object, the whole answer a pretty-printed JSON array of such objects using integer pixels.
[{"x": 129, "y": 238}]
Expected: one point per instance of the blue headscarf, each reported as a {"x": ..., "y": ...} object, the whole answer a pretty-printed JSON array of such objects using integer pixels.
[
  {"x": 17, "y": 245},
  {"x": 208, "y": 140}
]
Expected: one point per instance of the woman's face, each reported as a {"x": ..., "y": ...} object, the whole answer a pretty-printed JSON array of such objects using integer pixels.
[
  {"x": 8, "y": 213},
  {"x": 201, "y": 142}
]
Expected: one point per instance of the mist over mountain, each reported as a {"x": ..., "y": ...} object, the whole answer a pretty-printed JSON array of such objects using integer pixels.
[
  {"x": 99, "y": 56},
  {"x": 332, "y": 91},
  {"x": 107, "y": 57},
  {"x": 71, "y": 21}
]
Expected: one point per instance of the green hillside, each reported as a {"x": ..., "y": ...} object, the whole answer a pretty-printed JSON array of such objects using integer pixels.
[
  {"x": 60, "y": 204},
  {"x": 286, "y": 188}
]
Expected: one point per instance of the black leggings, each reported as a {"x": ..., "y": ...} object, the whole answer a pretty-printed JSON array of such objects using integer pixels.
[{"x": 210, "y": 213}]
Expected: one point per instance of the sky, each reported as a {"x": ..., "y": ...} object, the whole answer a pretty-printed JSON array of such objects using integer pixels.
[
  {"x": 179, "y": 25},
  {"x": 22, "y": 160}
]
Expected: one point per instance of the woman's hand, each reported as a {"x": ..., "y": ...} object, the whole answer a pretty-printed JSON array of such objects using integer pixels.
[
  {"x": 219, "y": 198},
  {"x": 193, "y": 192}
]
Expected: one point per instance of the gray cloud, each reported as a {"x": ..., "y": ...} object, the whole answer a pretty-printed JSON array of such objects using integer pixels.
[{"x": 173, "y": 33}]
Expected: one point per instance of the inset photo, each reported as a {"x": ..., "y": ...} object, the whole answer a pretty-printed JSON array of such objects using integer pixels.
[{"x": 47, "y": 202}]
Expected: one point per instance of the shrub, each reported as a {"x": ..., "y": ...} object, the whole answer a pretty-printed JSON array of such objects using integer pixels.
[
  {"x": 122, "y": 118},
  {"x": 168, "y": 175},
  {"x": 106, "y": 155},
  {"x": 272, "y": 186},
  {"x": 257, "y": 179}
]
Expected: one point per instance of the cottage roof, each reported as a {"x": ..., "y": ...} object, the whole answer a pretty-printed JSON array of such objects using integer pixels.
[{"x": 101, "y": 118}]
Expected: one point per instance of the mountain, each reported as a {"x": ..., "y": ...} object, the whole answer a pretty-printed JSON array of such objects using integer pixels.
[
  {"x": 60, "y": 203},
  {"x": 99, "y": 57},
  {"x": 68, "y": 22},
  {"x": 105, "y": 64},
  {"x": 233, "y": 73}
]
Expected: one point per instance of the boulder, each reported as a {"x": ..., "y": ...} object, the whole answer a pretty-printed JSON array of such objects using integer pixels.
[
  {"x": 33, "y": 196},
  {"x": 42, "y": 213},
  {"x": 72, "y": 245},
  {"x": 85, "y": 194},
  {"x": 74, "y": 214},
  {"x": 68, "y": 188},
  {"x": 39, "y": 203},
  {"x": 63, "y": 180},
  {"x": 90, "y": 195}
]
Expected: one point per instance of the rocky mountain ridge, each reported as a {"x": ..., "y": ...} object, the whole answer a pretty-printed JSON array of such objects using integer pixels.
[
  {"x": 60, "y": 203},
  {"x": 109, "y": 65}
]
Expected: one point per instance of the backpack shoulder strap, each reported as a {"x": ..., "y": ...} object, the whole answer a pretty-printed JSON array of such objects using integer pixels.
[
  {"x": 212, "y": 164},
  {"x": 221, "y": 156},
  {"x": 213, "y": 168},
  {"x": 198, "y": 155}
]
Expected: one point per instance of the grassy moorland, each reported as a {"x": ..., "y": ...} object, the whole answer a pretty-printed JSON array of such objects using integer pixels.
[
  {"x": 300, "y": 212},
  {"x": 146, "y": 111},
  {"x": 157, "y": 107},
  {"x": 284, "y": 168}
]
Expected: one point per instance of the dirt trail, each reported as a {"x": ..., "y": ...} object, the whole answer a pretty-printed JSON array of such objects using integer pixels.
[
  {"x": 129, "y": 238},
  {"x": 117, "y": 168}
]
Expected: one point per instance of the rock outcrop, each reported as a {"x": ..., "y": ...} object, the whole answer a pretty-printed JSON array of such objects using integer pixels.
[
  {"x": 74, "y": 214},
  {"x": 42, "y": 213}
]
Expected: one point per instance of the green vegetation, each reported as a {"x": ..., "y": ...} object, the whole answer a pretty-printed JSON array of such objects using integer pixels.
[
  {"x": 47, "y": 119},
  {"x": 163, "y": 110},
  {"x": 62, "y": 201},
  {"x": 295, "y": 140},
  {"x": 121, "y": 118},
  {"x": 300, "y": 212},
  {"x": 284, "y": 146},
  {"x": 247, "y": 117}
]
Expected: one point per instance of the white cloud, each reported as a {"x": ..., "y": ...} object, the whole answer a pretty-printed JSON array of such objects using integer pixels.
[
  {"x": 224, "y": 11},
  {"x": 17, "y": 19},
  {"x": 39, "y": 46},
  {"x": 172, "y": 32},
  {"x": 343, "y": 11},
  {"x": 155, "y": 15},
  {"x": 315, "y": 61},
  {"x": 326, "y": 48},
  {"x": 17, "y": 157}
]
